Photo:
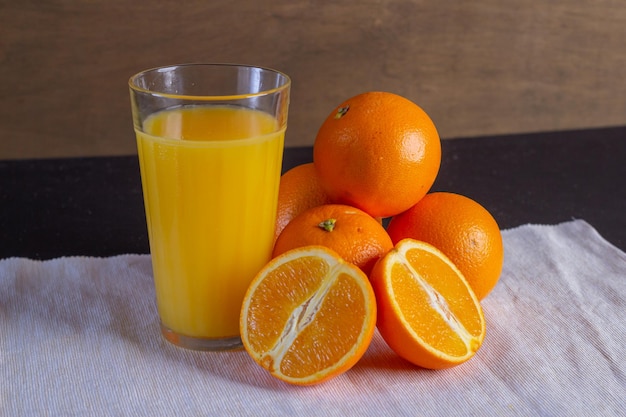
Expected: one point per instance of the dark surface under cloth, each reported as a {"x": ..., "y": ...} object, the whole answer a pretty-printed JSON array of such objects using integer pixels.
[{"x": 94, "y": 207}]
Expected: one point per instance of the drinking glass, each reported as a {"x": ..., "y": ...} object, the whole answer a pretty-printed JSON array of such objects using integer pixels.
[{"x": 210, "y": 141}]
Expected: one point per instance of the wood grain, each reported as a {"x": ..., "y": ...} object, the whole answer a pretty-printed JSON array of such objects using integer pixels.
[{"x": 478, "y": 68}]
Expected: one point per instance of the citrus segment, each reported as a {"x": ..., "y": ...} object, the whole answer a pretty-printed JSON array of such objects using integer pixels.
[
  {"x": 427, "y": 312},
  {"x": 308, "y": 316}
]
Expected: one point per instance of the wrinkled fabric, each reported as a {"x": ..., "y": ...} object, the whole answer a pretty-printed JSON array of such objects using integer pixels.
[{"x": 80, "y": 336}]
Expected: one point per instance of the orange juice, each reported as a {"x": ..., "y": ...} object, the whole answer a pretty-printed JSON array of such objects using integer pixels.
[{"x": 210, "y": 180}]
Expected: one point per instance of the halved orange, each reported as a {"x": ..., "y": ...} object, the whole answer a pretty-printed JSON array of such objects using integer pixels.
[
  {"x": 427, "y": 312},
  {"x": 308, "y": 315}
]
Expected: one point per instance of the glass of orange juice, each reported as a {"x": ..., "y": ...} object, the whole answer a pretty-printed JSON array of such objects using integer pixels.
[{"x": 210, "y": 142}]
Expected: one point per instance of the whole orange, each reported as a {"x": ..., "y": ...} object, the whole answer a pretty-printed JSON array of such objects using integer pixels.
[
  {"x": 377, "y": 151},
  {"x": 355, "y": 235},
  {"x": 299, "y": 190},
  {"x": 462, "y": 229}
]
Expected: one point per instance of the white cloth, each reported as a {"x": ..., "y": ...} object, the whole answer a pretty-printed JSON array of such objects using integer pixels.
[{"x": 80, "y": 336}]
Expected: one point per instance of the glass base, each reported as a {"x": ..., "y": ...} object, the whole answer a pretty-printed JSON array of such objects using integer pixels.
[{"x": 198, "y": 343}]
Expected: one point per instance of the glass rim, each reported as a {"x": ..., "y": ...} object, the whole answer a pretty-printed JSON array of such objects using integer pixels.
[{"x": 133, "y": 86}]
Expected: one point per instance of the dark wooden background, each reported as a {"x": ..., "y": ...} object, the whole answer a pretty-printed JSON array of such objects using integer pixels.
[{"x": 481, "y": 67}]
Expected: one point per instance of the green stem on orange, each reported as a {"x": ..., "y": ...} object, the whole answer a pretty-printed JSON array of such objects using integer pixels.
[
  {"x": 341, "y": 112},
  {"x": 328, "y": 224}
]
